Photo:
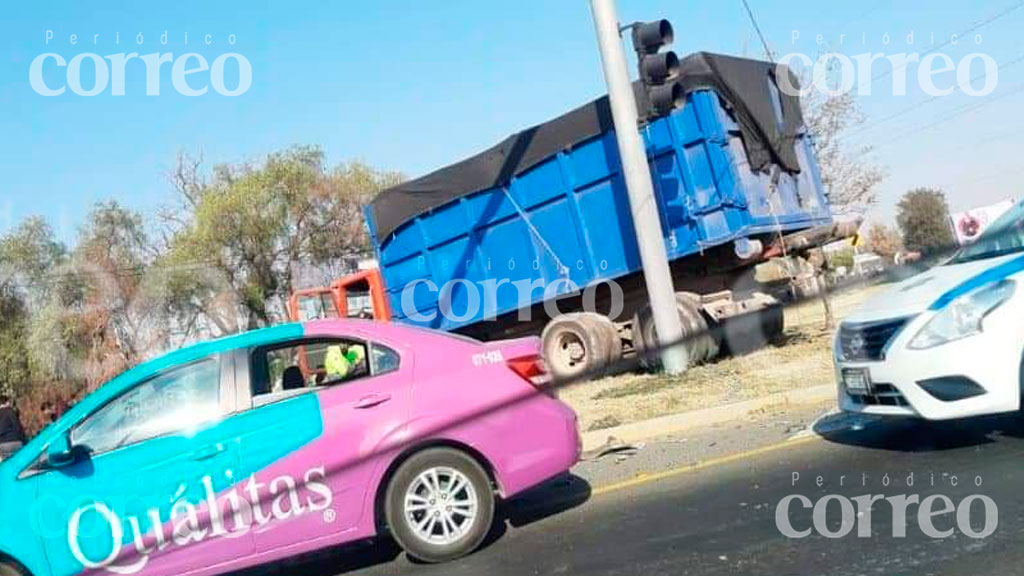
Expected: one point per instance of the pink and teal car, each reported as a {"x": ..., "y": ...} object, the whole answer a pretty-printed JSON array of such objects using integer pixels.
[{"x": 277, "y": 442}]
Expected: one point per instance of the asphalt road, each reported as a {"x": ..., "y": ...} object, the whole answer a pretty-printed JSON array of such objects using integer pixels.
[{"x": 720, "y": 518}]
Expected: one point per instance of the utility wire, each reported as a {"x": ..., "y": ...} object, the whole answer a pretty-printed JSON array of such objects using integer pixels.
[
  {"x": 972, "y": 28},
  {"x": 757, "y": 28},
  {"x": 917, "y": 106},
  {"x": 773, "y": 185},
  {"x": 1005, "y": 173},
  {"x": 956, "y": 113}
]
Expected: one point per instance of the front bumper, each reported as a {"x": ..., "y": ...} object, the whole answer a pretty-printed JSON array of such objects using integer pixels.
[{"x": 911, "y": 382}]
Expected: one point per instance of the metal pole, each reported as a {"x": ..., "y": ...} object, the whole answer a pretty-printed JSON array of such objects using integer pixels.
[{"x": 637, "y": 174}]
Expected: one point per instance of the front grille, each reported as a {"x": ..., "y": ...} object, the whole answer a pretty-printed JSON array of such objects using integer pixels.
[
  {"x": 867, "y": 342},
  {"x": 881, "y": 395}
]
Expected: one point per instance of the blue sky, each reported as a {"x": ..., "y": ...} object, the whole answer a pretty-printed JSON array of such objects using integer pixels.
[{"x": 412, "y": 86}]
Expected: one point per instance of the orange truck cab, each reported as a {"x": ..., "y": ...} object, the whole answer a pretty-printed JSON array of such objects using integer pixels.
[{"x": 358, "y": 295}]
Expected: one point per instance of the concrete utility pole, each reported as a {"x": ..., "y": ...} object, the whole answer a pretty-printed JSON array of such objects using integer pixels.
[{"x": 637, "y": 174}]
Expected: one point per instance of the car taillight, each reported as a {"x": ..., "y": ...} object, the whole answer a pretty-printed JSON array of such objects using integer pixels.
[{"x": 532, "y": 369}]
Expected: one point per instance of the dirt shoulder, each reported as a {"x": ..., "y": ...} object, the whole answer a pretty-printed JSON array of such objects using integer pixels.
[{"x": 800, "y": 358}]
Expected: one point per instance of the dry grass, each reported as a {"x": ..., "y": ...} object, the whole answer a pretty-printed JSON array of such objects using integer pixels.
[{"x": 800, "y": 358}]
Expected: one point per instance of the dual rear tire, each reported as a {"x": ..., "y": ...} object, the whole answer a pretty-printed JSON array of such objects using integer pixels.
[
  {"x": 754, "y": 330},
  {"x": 587, "y": 345},
  {"x": 698, "y": 340},
  {"x": 581, "y": 344}
]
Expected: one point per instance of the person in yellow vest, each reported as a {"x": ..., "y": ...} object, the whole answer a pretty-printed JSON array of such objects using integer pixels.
[
  {"x": 356, "y": 355},
  {"x": 340, "y": 365}
]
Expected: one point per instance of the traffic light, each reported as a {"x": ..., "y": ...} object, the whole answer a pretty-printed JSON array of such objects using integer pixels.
[{"x": 658, "y": 70}]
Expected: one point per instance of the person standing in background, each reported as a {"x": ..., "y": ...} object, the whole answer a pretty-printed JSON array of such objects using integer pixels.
[{"x": 12, "y": 435}]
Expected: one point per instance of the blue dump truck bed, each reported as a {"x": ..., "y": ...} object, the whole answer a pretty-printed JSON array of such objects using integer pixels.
[{"x": 562, "y": 221}]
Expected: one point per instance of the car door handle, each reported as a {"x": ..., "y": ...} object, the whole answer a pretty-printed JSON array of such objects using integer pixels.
[
  {"x": 371, "y": 401},
  {"x": 207, "y": 452}
]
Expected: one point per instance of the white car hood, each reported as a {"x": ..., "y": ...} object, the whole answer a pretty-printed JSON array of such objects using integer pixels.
[{"x": 915, "y": 294}]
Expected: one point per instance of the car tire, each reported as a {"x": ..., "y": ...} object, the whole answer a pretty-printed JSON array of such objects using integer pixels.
[{"x": 428, "y": 521}]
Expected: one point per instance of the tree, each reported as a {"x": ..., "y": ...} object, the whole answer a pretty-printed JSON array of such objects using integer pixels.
[
  {"x": 884, "y": 240},
  {"x": 850, "y": 179},
  {"x": 15, "y": 377},
  {"x": 28, "y": 256},
  {"x": 923, "y": 218},
  {"x": 225, "y": 257},
  {"x": 34, "y": 355},
  {"x": 841, "y": 259},
  {"x": 253, "y": 227},
  {"x": 113, "y": 317}
]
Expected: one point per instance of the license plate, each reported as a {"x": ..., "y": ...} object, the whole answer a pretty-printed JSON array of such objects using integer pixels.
[{"x": 856, "y": 381}]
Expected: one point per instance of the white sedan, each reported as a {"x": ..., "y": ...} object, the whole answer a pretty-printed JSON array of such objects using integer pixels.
[{"x": 948, "y": 343}]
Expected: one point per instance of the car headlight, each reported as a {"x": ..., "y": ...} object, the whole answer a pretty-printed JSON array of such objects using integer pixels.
[{"x": 963, "y": 316}]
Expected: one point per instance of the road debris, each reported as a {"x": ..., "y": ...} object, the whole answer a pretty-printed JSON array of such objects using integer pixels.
[{"x": 621, "y": 450}]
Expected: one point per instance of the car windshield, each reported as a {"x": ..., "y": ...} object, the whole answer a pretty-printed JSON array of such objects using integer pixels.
[{"x": 1004, "y": 236}]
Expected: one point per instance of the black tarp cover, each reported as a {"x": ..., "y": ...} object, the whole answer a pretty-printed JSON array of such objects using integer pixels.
[{"x": 742, "y": 84}]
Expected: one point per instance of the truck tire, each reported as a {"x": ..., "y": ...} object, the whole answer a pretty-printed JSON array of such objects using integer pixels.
[
  {"x": 753, "y": 331},
  {"x": 699, "y": 343},
  {"x": 575, "y": 346},
  {"x": 773, "y": 322},
  {"x": 709, "y": 340},
  {"x": 607, "y": 332},
  {"x": 431, "y": 522}
]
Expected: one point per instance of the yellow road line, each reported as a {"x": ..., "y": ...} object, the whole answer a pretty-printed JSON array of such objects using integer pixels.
[{"x": 642, "y": 479}]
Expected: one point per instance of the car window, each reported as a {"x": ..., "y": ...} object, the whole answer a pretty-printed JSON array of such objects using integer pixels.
[
  {"x": 175, "y": 401},
  {"x": 359, "y": 304},
  {"x": 302, "y": 366},
  {"x": 315, "y": 306},
  {"x": 383, "y": 359}
]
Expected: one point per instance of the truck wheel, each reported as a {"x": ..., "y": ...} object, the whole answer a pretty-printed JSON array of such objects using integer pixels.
[
  {"x": 773, "y": 322},
  {"x": 575, "y": 346},
  {"x": 607, "y": 332},
  {"x": 439, "y": 505},
  {"x": 707, "y": 340},
  {"x": 754, "y": 330},
  {"x": 697, "y": 339}
]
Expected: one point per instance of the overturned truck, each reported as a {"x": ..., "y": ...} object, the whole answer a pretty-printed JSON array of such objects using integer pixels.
[{"x": 535, "y": 235}]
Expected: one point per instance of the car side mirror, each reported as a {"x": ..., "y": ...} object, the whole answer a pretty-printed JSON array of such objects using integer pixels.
[{"x": 60, "y": 453}]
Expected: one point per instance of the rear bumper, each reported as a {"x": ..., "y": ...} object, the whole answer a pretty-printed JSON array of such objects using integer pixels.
[{"x": 548, "y": 445}]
